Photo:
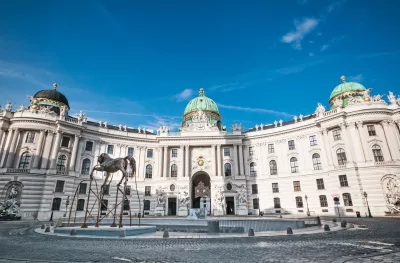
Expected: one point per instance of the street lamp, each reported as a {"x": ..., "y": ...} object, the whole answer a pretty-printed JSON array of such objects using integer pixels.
[
  {"x": 66, "y": 206},
  {"x": 308, "y": 210},
  {"x": 369, "y": 211}
]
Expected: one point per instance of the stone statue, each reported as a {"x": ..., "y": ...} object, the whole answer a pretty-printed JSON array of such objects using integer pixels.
[
  {"x": 63, "y": 111},
  {"x": 125, "y": 128},
  {"x": 160, "y": 197},
  {"x": 10, "y": 207},
  {"x": 319, "y": 110},
  {"x": 295, "y": 118},
  {"x": 391, "y": 98},
  {"x": 338, "y": 103},
  {"x": 1, "y": 109},
  {"x": 276, "y": 123},
  {"x": 391, "y": 190},
  {"x": 355, "y": 100},
  {"x": 8, "y": 106},
  {"x": 261, "y": 126},
  {"x": 256, "y": 127},
  {"x": 120, "y": 127},
  {"x": 80, "y": 116},
  {"x": 100, "y": 123},
  {"x": 398, "y": 100},
  {"x": 144, "y": 130},
  {"x": 242, "y": 197},
  {"x": 378, "y": 98},
  {"x": 366, "y": 93},
  {"x": 280, "y": 122},
  {"x": 105, "y": 125},
  {"x": 139, "y": 130},
  {"x": 22, "y": 108},
  {"x": 301, "y": 117},
  {"x": 13, "y": 192},
  {"x": 184, "y": 198}
]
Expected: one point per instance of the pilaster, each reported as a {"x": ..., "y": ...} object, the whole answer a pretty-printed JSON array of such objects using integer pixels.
[
  {"x": 213, "y": 162},
  {"x": 241, "y": 159},
  {"x": 325, "y": 147},
  {"x": 74, "y": 153},
  {"x": 347, "y": 142},
  {"x": 56, "y": 148},
  {"x": 165, "y": 162},
  {"x": 12, "y": 151},
  {"x": 219, "y": 167},
  {"x": 235, "y": 160},
  {"x": 47, "y": 150},
  {"x": 187, "y": 160},
  {"x": 7, "y": 147},
  {"x": 39, "y": 147}
]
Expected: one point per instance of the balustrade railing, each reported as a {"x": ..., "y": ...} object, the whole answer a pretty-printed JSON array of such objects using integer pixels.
[{"x": 17, "y": 170}]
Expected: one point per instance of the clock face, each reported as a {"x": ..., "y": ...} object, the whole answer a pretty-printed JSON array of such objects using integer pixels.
[{"x": 200, "y": 162}]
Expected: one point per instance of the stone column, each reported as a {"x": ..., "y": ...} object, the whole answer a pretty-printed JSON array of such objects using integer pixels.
[
  {"x": 72, "y": 163},
  {"x": 2, "y": 142},
  {"x": 6, "y": 150},
  {"x": 187, "y": 158},
  {"x": 159, "y": 162},
  {"x": 138, "y": 153},
  {"x": 47, "y": 150},
  {"x": 235, "y": 160},
  {"x": 219, "y": 167},
  {"x": 77, "y": 166},
  {"x": 165, "y": 162},
  {"x": 39, "y": 147},
  {"x": 396, "y": 135},
  {"x": 181, "y": 161},
  {"x": 360, "y": 140},
  {"x": 1, "y": 136},
  {"x": 364, "y": 138},
  {"x": 55, "y": 150},
  {"x": 142, "y": 162},
  {"x": 391, "y": 144},
  {"x": 247, "y": 157},
  {"x": 347, "y": 142},
  {"x": 12, "y": 151},
  {"x": 241, "y": 159},
  {"x": 214, "y": 161},
  {"x": 324, "y": 146},
  {"x": 356, "y": 146}
]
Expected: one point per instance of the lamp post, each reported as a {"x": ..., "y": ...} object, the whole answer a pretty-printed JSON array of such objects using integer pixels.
[
  {"x": 366, "y": 199},
  {"x": 66, "y": 206},
  {"x": 308, "y": 210}
]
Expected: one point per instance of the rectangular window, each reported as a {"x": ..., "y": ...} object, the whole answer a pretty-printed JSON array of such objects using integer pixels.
[
  {"x": 337, "y": 135},
  {"x": 227, "y": 152},
  {"x": 59, "y": 186},
  {"x": 56, "y": 204},
  {"x": 275, "y": 188},
  {"x": 89, "y": 146},
  {"x": 254, "y": 189},
  {"x": 251, "y": 151},
  {"x": 82, "y": 188},
  {"x": 296, "y": 186},
  {"x": 323, "y": 201},
  {"x": 256, "y": 204},
  {"x": 126, "y": 205},
  {"x": 147, "y": 190},
  {"x": 128, "y": 190},
  {"x": 299, "y": 202},
  {"x": 30, "y": 137},
  {"x": 104, "y": 205},
  {"x": 291, "y": 145},
  {"x": 343, "y": 180},
  {"x": 277, "y": 202},
  {"x": 110, "y": 149},
  {"x": 347, "y": 199},
  {"x": 174, "y": 153},
  {"x": 313, "y": 140},
  {"x": 65, "y": 141},
  {"x": 271, "y": 148},
  {"x": 149, "y": 153},
  {"x": 81, "y": 205},
  {"x": 146, "y": 205},
  {"x": 371, "y": 130},
  {"x": 106, "y": 190},
  {"x": 320, "y": 184},
  {"x": 130, "y": 151}
]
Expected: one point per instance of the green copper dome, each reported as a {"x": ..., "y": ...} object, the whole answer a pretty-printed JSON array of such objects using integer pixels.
[
  {"x": 201, "y": 103},
  {"x": 346, "y": 87}
]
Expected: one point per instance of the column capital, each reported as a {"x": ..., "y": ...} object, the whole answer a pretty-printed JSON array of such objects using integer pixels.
[
  {"x": 323, "y": 131},
  {"x": 360, "y": 124},
  {"x": 351, "y": 124},
  {"x": 213, "y": 145},
  {"x": 342, "y": 126}
]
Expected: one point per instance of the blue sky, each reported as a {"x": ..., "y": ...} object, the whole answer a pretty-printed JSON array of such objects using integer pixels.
[{"x": 139, "y": 62}]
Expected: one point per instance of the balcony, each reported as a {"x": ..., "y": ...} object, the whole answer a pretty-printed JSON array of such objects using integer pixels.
[
  {"x": 62, "y": 172},
  {"x": 17, "y": 170},
  {"x": 384, "y": 163}
]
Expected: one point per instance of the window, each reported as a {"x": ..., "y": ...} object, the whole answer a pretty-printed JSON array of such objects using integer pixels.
[
  {"x": 56, "y": 204},
  {"x": 291, "y": 145},
  {"x": 271, "y": 148},
  {"x": 30, "y": 137},
  {"x": 275, "y": 188},
  {"x": 25, "y": 161},
  {"x": 228, "y": 169},
  {"x": 104, "y": 205},
  {"x": 296, "y": 186},
  {"x": 341, "y": 156},
  {"x": 347, "y": 199},
  {"x": 174, "y": 153},
  {"x": 273, "y": 168},
  {"x": 294, "y": 165},
  {"x": 128, "y": 190},
  {"x": 130, "y": 151},
  {"x": 253, "y": 169},
  {"x": 89, "y": 146},
  {"x": 277, "y": 202},
  {"x": 378, "y": 156},
  {"x": 149, "y": 171},
  {"x": 343, "y": 180},
  {"x": 174, "y": 170},
  {"x": 149, "y": 153},
  {"x": 59, "y": 186},
  {"x": 106, "y": 189},
  {"x": 251, "y": 151},
  {"x": 323, "y": 201},
  {"x": 126, "y": 205},
  {"x": 313, "y": 140},
  {"x": 337, "y": 135},
  {"x": 316, "y": 161},
  {"x": 82, "y": 188},
  {"x": 147, "y": 190},
  {"x": 146, "y": 205},
  {"x": 371, "y": 130},
  {"x": 256, "y": 204},
  {"x": 65, "y": 141},
  {"x": 85, "y": 166},
  {"x": 110, "y": 149},
  {"x": 227, "y": 152},
  {"x": 299, "y": 202},
  {"x": 254, "y": 189},
  {"x": 320, "y": 184},
  {"x": 80, "y": 205},
  {"x": 61, "y": 161}
]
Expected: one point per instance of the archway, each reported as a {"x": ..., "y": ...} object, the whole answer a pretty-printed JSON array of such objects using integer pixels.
[{"x": 204, "y": 180}]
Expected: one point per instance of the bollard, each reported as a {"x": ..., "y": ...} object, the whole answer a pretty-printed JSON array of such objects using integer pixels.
[
  {"x": 251, "y": 232},
  {"x": 334, "y": 220},
  {"x": 166, "y": 234},
  {"x": 43, "y": 226},
  {"x": 351, "y": 226},
  {"x": 122, "y": 233},
  {"x": 47, "y": 229},
  {"x": 280, "y": 216},
  {"x": 318, "y": 221},
  {"x": 289, "y": 231},
  {"x": 343, "y": 223},
  {"x": 326, "y": 228},
  {"x": 73, "y": 232}
]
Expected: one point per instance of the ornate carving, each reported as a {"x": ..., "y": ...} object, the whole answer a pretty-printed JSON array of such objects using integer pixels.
[
  {"x": 391, "y": 98},
  {"x": 237, "y": 127},
  {"x": 319, "y": 110},
  {"x": 355, "y": 100},
  {"x": 202, "y": 191},
  {"x": 160, "y": 193},
  {"x": 338, "y": 103},
  {"x": 391, "y": 192},
  {"x": 200, "y": 123},
  {"x": 184, "y": 198},
  {"x": 10, "y": 207},
  {"x": 8, "y": 106}
]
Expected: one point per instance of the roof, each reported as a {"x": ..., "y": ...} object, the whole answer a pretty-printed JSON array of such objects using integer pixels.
[
  {"x": 53, "y": 94},
  {"x": 201, "y": 103},
  {"x": 346, "y": 87}
]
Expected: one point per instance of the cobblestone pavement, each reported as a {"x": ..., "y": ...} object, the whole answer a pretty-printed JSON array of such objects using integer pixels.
[{"x": 380, "y": 242}]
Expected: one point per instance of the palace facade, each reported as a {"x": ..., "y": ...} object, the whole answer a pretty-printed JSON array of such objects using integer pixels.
[{"x": 342, "y": 160}]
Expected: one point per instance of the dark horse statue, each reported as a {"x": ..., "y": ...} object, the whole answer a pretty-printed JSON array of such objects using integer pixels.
[{"x": 110, "y": 165}]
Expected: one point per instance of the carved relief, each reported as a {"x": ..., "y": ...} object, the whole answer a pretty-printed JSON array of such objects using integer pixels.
[
  {"x": 391, "y": 192},
  {"x": 200, "y": 123}
]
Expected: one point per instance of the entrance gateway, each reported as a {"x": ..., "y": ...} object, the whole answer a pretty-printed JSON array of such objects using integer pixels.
[
  {"x": 201, "y": 191},
  {"x": 172, "y": 206}
]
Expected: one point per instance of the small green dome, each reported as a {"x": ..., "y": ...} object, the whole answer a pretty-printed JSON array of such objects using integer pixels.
[
  {"x": 346, "y": 87},
  {"x": 201, "y": 103}
]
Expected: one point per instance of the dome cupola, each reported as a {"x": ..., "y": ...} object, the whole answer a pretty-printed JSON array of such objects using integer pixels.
[
  {"x": 51, "y": 99},
  {"x": 344, "y": 91}
]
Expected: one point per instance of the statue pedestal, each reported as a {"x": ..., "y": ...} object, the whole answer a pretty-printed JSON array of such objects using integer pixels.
[
  {"x": 159, "y": 211},
  {"x": 218, "y": 212},
  {"x": 183, "y": 211},
  {"x": 242, "y": 210}
]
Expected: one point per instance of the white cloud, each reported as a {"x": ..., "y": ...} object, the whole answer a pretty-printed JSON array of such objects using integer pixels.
[
  {"x": 184, "y": 95},
  {"x": 302, "y": 29},
  {"x": 356, "y": 78},
  {"x": 380, "y": 54},
  {"x": 324, "y": 47},
  {"x": 254, "y": 110},
  {"x": 331, "y": 42},
  {"x": 297, "y": 68},
  {"x": 311, "y": 54},
  {"x": 335, "y": 5}
]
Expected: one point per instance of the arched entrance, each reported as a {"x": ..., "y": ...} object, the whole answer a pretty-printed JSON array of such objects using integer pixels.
[{"x": 201, "y": 187}]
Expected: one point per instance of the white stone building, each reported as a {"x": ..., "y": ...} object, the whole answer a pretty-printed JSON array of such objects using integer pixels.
[{"x": 285, "y": 167}]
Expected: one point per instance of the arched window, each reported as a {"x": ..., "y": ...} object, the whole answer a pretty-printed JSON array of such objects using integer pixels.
[
  {"x": 347, "y": 199},
  {"x": 56, "y": 204},
  {"x": 299, "y": 202},
  {"x": 341, "y": 156},
  {"x": 85, "y": 166},
  {"x": 25, "y": 161},
  {"x": 80, "y": 205},
  {"x": 61, "y": 161},
  {"x": 323, "y": 201},
  {"x": 277, "y": 202},
  {"x": 228, "y": 169},
  {"x": 294, "y": 165},
  {"x": 316, "y": 161},
  {"x": 149, "y": 171},
  {"x": 378, "y": 156},
  {"x": 174, "y": 170},
  {"x": 146, "y": 205},
  {"x": 253, "y": 169},
  {"x": 273, "y": 168}
]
